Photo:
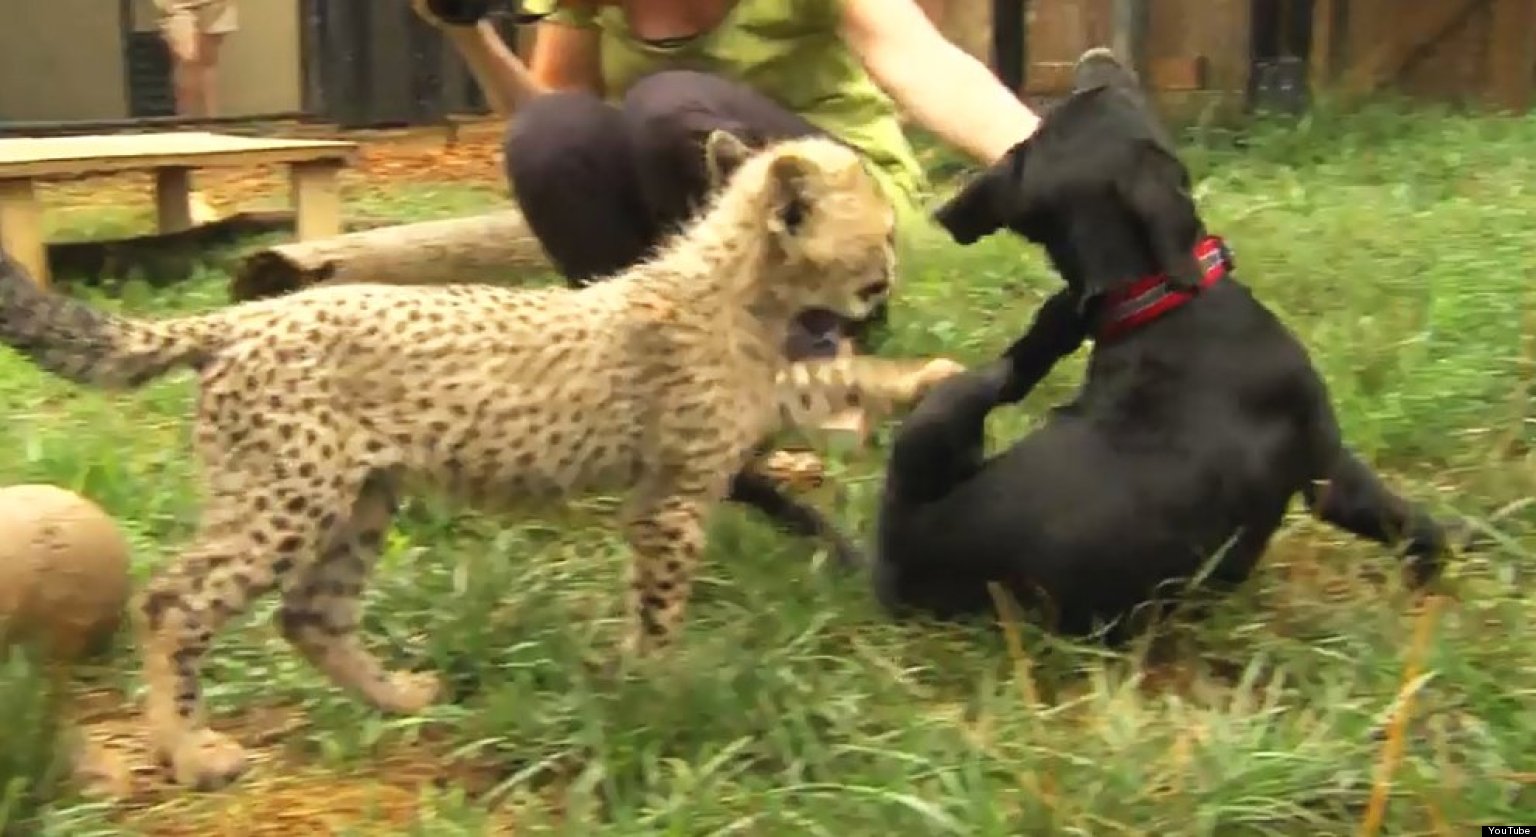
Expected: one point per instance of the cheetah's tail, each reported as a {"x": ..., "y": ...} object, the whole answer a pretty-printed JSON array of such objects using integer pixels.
[{"x": 87, "y": 346}]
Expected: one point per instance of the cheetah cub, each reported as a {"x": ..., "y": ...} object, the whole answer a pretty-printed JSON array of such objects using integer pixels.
[{"x": 315, "y": 409}]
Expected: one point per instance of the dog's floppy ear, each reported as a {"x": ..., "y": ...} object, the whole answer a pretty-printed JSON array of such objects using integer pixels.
[
  {"x": 723, "y": 153},
  {"x": 1157, "y": 192}
]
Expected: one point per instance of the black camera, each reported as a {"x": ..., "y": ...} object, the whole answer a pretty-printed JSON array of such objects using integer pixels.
[{"x": 470, "y": 12}]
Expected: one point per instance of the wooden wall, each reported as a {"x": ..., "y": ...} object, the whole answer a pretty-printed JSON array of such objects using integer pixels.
[
  {"x": 1198, "y": 53},
  {"x": 1194, "y": 53},
  {"x": 1445, "y": 50},
  {"x": 967, "y": 23}
]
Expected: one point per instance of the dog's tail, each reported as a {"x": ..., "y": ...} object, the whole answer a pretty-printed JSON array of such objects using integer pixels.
[{"x": 88, "y": 346}]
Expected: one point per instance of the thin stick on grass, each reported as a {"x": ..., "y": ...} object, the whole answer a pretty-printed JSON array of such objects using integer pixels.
[
  {"x": 1392, "y": 749},
  {"x": 1525, "y": 379},
  {"x": 1008, "y": 616}
]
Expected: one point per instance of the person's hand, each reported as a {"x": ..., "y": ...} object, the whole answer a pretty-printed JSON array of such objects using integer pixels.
[{"x": 443, "y": 13}]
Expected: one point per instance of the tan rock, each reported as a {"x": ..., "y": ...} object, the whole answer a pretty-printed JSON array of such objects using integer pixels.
[{"x": 64, "y": 579}]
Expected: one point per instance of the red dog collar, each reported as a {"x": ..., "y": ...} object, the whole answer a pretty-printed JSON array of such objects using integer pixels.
[{"x": 1150, "y": 297}]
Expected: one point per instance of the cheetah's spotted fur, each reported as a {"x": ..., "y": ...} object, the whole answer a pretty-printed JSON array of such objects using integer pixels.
[{"x": 316, "y": 408}]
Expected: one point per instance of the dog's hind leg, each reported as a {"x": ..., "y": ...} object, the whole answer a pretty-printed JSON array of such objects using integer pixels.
[
  {"x": 943, "y": 441},
  {"x": 1352, "y": 497}
]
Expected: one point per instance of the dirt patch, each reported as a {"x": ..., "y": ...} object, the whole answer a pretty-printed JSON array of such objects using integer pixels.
[{"x": 281, "y": 795}]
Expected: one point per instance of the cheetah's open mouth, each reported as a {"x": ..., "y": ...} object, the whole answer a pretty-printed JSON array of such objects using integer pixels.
[{"x": 820, "y": 322}]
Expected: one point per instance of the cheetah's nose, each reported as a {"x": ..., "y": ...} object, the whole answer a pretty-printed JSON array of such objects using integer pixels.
[{"x": 874, "y": 289}]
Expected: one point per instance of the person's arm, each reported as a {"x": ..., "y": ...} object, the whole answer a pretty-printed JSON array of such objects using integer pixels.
[
  {"x": 564, "y": 58},
  {"x": 940, "y": 85}
]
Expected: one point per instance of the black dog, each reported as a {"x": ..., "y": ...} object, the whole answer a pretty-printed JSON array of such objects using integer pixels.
[{"x": 1200, "y": 418}]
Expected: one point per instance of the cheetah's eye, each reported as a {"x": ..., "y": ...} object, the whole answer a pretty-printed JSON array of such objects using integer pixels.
[{"x": 873, "y": 289}]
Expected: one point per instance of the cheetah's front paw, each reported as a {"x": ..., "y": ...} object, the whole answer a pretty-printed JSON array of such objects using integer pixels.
[
  {"x": 933, "y": 373},
  {"x": 206, "y": 760},
  {"x": 408, "y": 693}
]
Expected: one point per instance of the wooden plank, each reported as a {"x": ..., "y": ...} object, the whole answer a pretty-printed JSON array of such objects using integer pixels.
[
  {"x": 21, "y": 227},
  {"x": 173, "y": 199},
  {"x": 1511, "y": 55},
  {"x": 1222, "y": 31},
  {"x": 1060, "y": 30},
  {"x": 316, "y": 199},
  {"x": 1422, "y": 24},
  {"x": 48, "y": 156},
  {"x": 1048, "y": 78},
  {"x": 1182, "y": 73},
  {"x": 967, "y": 25},
  {"x": 1179, "y": 74},
  {"x": 1129, "y": 33},
  {"x": 1325, "y": 33}
]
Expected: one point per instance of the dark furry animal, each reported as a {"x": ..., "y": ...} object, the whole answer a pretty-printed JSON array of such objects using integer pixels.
[{"x": 1200, "y": 418}]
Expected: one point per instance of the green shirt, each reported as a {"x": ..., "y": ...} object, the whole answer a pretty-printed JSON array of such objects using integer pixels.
[{"x": 786, "y": 50}]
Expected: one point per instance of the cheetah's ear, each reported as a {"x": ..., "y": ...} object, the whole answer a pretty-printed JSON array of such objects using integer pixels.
[
  {"x": 723, "y": 153},
  {"x": 788, "y": 178}
]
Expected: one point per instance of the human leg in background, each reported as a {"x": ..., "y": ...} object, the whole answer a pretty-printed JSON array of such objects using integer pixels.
[
  {"x": 179, "y": 27},
  {"x": 216, "y": 20},
  {"x": 194, "y": 31}
]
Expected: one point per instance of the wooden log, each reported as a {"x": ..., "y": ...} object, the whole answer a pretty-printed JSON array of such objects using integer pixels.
[{"x": 488, "y": 247}]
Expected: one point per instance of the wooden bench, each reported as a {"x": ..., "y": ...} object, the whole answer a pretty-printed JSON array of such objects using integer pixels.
[{"x": 313, "y": 164}]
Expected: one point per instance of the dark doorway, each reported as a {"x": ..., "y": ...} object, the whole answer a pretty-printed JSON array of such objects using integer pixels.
[
  {"x": 372, "y": 65},
  {"x": 1280, "y": 53},
  {"x": 1010, "y": 47}
]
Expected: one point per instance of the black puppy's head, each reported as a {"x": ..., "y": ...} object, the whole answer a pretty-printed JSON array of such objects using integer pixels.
[{"x": 1099, "y": 186}]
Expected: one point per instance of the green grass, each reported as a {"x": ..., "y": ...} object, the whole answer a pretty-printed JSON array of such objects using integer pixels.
[
  {"x": 32, "y": 761},
  {"x": 1400, "y": 247}
]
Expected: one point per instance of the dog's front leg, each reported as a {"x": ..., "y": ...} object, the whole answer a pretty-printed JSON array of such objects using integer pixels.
[
  {"x": 1058, "y": 329},
  {"x": 1354, "y": 498}
]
